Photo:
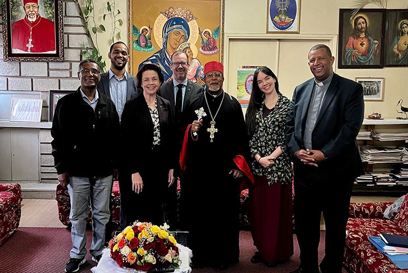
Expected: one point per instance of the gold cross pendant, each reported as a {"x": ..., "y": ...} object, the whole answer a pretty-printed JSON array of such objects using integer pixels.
[{"x": 212, "y": 130}]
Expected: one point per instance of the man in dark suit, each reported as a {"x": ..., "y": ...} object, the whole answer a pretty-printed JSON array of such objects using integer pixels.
[
  {"x": 180, "y": 92},
  {"x": 117, "y": 84},
  {"x": 329, "y": 111}
]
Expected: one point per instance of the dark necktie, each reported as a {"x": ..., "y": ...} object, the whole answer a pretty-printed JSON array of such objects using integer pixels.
[{"x": 179, "y": 99}]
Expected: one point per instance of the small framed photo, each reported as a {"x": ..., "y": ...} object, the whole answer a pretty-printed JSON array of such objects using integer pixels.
[
  {"x": 33, "y": 30},
  {"x": 283, "y": 16},
  {"x": 55, "y": 95},
  {"x": 361, "y": 38},
  {"x": 373, "y": 88}
]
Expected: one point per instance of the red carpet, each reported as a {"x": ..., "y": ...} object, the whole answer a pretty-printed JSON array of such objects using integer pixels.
[
  {"x": 46, "y": 250},
  {"x": 38, "y": 250}
]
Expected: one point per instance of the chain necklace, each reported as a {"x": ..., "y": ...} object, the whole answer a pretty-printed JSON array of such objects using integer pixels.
[{"x": 212, "y": 130}]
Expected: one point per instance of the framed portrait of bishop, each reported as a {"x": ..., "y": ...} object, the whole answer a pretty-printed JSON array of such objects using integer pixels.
[{"x": 33, "y": 30}]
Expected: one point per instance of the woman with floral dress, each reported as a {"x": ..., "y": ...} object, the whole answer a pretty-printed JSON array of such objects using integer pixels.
[
  {"x": 148, "y": 157},
  {"x": 268, "y": 119}
]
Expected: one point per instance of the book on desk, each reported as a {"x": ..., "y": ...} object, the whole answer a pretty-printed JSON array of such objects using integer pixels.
[
  {"x": 394, "y": 240},
  {"x": 399, "y": 259}
]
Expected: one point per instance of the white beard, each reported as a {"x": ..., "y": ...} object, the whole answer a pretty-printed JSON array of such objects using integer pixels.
[{"x": 31, "y": 18}]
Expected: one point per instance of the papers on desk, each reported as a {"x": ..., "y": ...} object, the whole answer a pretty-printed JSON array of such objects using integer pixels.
[
  {"x": 382, "y": 154},
  {"x": 390, "y": 136},
  {"x": 400, "y": 260},
  {"x": 396, "y": 250}
]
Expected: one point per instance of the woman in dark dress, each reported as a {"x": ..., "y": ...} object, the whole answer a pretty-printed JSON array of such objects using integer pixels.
[
  {"x": 147, "y": 147},
  {"x": 268, "y": 120}
]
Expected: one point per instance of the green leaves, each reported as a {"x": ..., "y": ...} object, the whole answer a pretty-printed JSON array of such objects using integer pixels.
[{"x": 93, "y": 53}]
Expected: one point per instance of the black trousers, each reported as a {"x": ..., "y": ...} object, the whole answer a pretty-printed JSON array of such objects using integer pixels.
[{"x": 320, "y": 191}]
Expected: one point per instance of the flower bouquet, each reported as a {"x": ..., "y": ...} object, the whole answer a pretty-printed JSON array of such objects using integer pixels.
[{"x": 146, "y": 247}]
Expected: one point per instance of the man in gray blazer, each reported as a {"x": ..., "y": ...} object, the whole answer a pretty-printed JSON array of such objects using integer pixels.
[
  {"x": 180, "y": 92},
  {"x": 117, "y": 84},
  {"x": 329, "y": 111}
]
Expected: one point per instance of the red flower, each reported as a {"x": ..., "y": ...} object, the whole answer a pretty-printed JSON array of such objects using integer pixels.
[
  {"x": 121, "y": 243},
  {"x": 119, "y": 260},
  {"x": 149, "y": 246},
  {"x": 144, "y": 267},
  {"x": 161, "y": 248},
  {"x": 114, "y": 254},
  {"x": 134, "y": 244}
]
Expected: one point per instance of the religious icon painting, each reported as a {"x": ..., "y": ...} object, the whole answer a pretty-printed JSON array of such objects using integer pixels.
[
  {"x": 396, "y": 38},
  {"x": 245, "y": 77},
  {"x": 361, "y": 38},
  {"x": 194, "y": 27},
  {"x": 283, "y": 16},
  {"x": 33, "y": 30}
]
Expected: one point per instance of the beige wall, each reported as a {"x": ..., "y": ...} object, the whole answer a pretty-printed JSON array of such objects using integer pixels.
[{"x": 246, "y": 43}]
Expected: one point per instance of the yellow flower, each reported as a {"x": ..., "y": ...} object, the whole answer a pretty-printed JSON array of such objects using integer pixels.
[
  {"x": 172, "y": 240},
  {"x": 126, "y": 230},
  {"x": 115, "y": 247},
  {"x": 119, "y": 237},
  {"x": 144, "y": 234},
  {"x": 155, "y": 229},
  {"x": 130, "y": 234},
  {"x": 141, "y": 251},
  {"x": 163, "y": 234}
]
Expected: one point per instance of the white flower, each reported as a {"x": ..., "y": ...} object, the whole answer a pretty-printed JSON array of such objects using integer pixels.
[
  {"x": 165, "y": 226},
  {"x": 125, "y": 250},
  {"x": 168, "y": 257},
  {"x": 149, "y": 258}
]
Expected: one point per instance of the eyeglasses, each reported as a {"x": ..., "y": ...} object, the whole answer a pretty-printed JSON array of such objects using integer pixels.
[
  {"x": 89, "y": 71},
  {"x": 179, "y": 63},
  {"x": 213, "y": 75}
]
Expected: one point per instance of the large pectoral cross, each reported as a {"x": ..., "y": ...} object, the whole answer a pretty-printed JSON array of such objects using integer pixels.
[
  {"x": 30, "y": 45},
  {"x": 212, "y": 130}
]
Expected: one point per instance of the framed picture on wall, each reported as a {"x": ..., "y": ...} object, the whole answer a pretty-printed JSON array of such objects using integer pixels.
[
  {"x": 33, "y": 30},
  {"x": 361, "y": 40},
  {"x": 283, "y": 16},
  {"x": 396, "y": 37},
  {"x": 195, "y": 27},
  {"x": 55, "y": 95},
  {"x": 373, "y": 88}
]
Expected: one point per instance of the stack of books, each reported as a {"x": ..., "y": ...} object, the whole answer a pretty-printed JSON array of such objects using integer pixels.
[
  {"x": 392, "y": 240},
  {"x": 395, "y": 247}
]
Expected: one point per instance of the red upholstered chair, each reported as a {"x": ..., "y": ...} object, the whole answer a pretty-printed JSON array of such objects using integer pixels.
[
  {"x": 64, "y": 205},
  {"x": 10, "y": 210},
  {"x": 367, "y": 219}
]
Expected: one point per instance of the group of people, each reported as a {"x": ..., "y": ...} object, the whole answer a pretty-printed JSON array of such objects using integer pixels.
[{"x": 160, "y": 136}]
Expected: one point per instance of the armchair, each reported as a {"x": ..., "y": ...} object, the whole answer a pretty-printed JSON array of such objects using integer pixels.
[
  {"x": 367, "y": 219},
  {"x": 10, "y": 210}
]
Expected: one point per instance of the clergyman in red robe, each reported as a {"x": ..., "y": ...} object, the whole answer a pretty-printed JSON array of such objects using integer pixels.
[{"x": 33, "y": 33}]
